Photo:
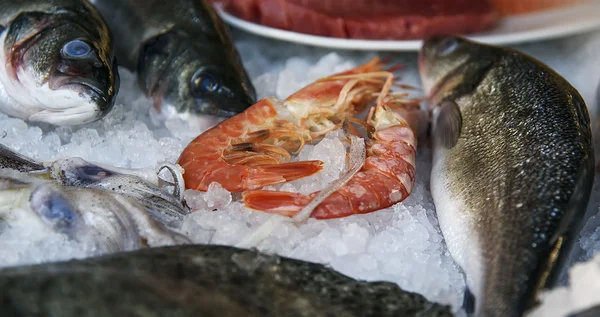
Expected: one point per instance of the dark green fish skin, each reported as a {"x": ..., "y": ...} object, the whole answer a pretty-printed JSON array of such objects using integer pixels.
[
  {"x": 200, "y": 281},
  {"x": 183, "y": 55},
  {"x": 596, "y": 129},
  {"x": 80, "y": 88},
  {"x": 512, "y": 168}
]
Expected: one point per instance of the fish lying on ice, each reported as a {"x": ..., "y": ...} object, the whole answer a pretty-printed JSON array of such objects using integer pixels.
[
  {"x": 142, "y": 185},
  {"x": 512, "y": 168},
  {"x": 56, "y": 62},
  {"x": 102, "y": 221},
  {"x": 183, "y": 55},
  {"x": 200, "y": 280},
  {"x": 164, "y": 207}
]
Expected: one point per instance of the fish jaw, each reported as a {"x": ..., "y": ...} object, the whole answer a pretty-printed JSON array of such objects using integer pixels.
[
  {"x": 60, "y": 97},
  {"x": 196, "y": 121},
  {"x": 63, "y": 107}
]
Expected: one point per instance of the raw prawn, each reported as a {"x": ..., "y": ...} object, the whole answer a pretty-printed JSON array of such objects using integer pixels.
[
  {"x": 386, "y": 178},
  {"x": 252, "y": 149}
]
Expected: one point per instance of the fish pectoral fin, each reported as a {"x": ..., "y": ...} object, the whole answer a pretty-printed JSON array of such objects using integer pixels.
[{"x": 449, "y": 124}]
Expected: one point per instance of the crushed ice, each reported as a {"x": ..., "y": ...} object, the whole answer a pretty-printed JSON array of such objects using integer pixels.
[{"x": 402, "y": 244}]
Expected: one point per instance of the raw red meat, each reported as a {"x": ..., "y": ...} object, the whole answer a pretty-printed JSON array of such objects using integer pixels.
[{"x": 369, "y": 19}]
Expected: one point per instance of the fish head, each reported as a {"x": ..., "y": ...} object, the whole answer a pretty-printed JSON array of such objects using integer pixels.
[
  {"x": 47, "y": 209},
  {"x": 67, "y": 74},
  {"x": 136, "y": 184},
  {"x": 441, "y": 56},
  {"x": 193, "y": 80}
]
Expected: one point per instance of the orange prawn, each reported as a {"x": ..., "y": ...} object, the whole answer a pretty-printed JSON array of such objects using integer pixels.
[
  {"x": 386, "y": 178},
  {"x": 252, "y": 149}
]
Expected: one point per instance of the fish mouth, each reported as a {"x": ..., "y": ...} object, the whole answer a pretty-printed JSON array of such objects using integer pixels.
[
  {"x": 91, "y": 104},
  {"x": 83, "y": 114},
  {"x": 87, "y": 87},
  {"x": 225, "y": 107}
]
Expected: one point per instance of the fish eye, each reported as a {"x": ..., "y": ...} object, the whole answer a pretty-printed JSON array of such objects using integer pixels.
[
  {"x": 447, "y": 46},
  {"x": 203, "y": 82},
  {"x": 54, "y": 209},
  {"x": 76, "y": 49},
  {"x": 92, "y": 173}
]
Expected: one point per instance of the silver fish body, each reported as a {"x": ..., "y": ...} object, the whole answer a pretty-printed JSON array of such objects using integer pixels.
[
  {"x": 183, "y": 55},
  {"x": 512, "y": 168},
  {"x": 57, "y": 64}
]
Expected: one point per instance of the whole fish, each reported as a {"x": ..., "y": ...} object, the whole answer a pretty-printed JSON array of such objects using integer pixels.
[
  {"x": 102, "y": 221},
  {"x": 56, "y": 62},
  {"x": 200, "y": 280},
  {"x": 183, "y": 55},
  {"x": 512, "y": 168}
]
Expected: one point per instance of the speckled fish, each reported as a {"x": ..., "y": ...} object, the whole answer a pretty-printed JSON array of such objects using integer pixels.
[
  {"x": 56, "y": 62},
  {"x": 183, "y": 55},
  {"x": 512, "y": 168},
  {"x": 142, "y": 185},
  {"x": 12, "y": 160},
  {"x": 203, "y": 281},
  {"x": 102, "y": 221}
]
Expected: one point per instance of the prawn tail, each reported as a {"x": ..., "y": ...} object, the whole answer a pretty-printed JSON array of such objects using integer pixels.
[
  {"x": 271, "y": 174},
  {"x": 282, "y": 203}
]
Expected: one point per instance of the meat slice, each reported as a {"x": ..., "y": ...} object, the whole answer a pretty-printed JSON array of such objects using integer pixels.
[{"x": 369, "y": 19}]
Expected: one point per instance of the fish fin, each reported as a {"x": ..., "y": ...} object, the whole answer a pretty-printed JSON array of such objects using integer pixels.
[
  {"x": 449, "y": 124},
  {"x": 469, "y": 302},
  {"x": 13, "y": 160},
  {"x": 571, "y": 225}
]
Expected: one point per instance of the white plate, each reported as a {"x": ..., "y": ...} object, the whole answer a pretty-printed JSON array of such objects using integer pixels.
[{"x": 511, "y": 30}]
